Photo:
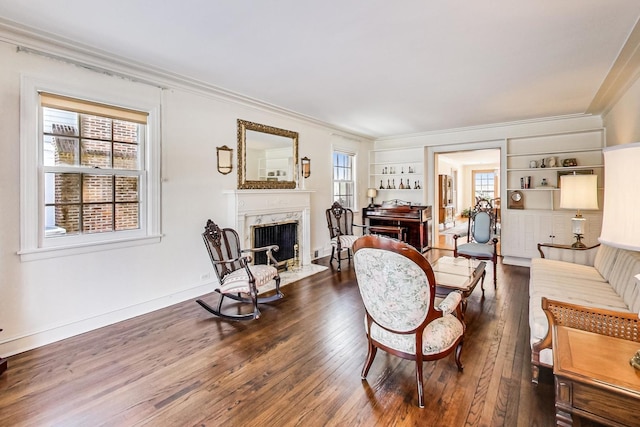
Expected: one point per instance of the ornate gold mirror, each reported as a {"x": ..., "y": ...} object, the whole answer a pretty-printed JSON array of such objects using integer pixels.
[{"x": 267, "y": 156}]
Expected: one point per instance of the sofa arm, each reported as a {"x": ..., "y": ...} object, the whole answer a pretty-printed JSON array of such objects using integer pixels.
[
  {"x": 597, "y": 320},
  {"x": 616, "y": 324},
  {"x": 568, "y": 253}
]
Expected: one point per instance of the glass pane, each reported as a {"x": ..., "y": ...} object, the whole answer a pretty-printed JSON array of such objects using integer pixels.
[
  {"x": 127, "y": 215},
  {"x": 96, "y": 153},
  {"x": 97, "y": 218},
  {"x": 126, "y": 189},
  {"x": 67, "y": 217},
  {"x": 95, "y": 127},
  {"x": 125, "y": 156},
  {"x": 59, "y": 122},
  {"x": 125, "y": 131},
  {"x": 62, "y": 188},
  {"x": 97, "y": 188},
  {"x": 60, "y": 151}
]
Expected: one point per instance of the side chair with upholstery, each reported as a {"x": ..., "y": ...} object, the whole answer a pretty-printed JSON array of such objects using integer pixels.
[
  {"x": 340, "y": 223},
  {"x": 481, "y": 242},
  {"x": 398, "y": 289},
  {"x": 238, "y": 279}
]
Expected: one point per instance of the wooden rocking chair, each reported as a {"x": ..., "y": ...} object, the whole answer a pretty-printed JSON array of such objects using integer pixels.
[{"x": 237, "y": 278}]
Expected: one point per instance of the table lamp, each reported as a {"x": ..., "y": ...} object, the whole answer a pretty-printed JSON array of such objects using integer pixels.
[
  {"x": 621, "y": 211},
  {"x": 372, "y": 192},
  {"x": 578, "y": 192}
]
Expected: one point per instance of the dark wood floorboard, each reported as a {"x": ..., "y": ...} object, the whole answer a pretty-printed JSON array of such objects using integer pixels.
[{"x": 298, "y": 365}]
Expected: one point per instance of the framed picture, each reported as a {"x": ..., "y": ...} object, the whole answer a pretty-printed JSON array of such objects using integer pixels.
[{"x": 575, "y": 171}]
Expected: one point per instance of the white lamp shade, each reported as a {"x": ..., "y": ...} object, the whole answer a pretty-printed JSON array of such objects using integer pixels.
[
  {"x": 372, "y": 192},
  {"x": 579, "y": 192},
  {"x": 621, "y": 212}
]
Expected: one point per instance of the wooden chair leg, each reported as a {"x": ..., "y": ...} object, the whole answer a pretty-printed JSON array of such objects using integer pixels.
[
  {"x": 495, "y": 277},
  {"x": 371, "y": 354},
  {"x": 419, "y": 364},
  {"x": 3, "y": 365}
]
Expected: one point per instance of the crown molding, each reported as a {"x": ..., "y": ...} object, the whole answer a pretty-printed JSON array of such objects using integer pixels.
[
  {"x": 623, "y": 73},
  {"x": 486, "y": 126},
  {"x": 29, "y": 40}
]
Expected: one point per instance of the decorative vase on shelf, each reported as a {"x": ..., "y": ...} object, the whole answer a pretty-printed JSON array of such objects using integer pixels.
[{"x": 381, "y": 186}]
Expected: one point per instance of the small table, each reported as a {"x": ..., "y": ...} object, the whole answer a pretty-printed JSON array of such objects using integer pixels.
[
  {"x": 458, "y": 274},
  {"x": 593, "y": 378}
]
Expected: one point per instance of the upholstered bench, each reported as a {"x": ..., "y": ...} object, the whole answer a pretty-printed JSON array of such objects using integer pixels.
[{"x": 609, "y": 284}]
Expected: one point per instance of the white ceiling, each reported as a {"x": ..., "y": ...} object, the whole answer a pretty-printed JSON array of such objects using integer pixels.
[{"x": 373, "y": 67}]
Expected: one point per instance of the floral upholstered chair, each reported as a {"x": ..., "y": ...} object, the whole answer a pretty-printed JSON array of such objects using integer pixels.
[
  {"x": 397, "y": 286},
  {"x": 238, "y": 279}
]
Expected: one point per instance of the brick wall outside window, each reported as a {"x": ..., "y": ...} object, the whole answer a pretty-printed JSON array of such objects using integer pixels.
[{"x": 94, "y": 203}]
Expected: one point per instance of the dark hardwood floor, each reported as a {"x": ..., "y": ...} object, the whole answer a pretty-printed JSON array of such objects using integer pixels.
[{"x": 299, "y": 364}]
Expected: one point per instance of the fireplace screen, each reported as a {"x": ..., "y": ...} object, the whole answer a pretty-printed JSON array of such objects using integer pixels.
[{"x": 285, "y": 235}]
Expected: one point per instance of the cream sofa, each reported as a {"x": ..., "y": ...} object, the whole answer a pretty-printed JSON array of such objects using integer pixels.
[{"x": 608, "y": 284}]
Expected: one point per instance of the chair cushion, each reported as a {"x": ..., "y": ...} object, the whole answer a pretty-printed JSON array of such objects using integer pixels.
[
  {"x": 604, "y": 260},
  {"x": 346, "y": 241},
  {"x": 439, "y": 335},
  {"x": 476, "y": 250},
  {"x": 238, "y": 281},
  {"x": 482, "y": 227}
]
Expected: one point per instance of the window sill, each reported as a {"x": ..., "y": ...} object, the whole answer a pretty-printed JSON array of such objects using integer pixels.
[{"x": 60, "y": 251}]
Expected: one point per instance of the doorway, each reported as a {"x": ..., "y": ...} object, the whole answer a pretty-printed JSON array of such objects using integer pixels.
[{"x": 461, "y": 177}]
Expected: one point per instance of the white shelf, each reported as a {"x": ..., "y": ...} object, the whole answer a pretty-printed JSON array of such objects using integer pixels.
[
  {"x": 560, "y": 168},
  {"x": 553, "y": 153}
]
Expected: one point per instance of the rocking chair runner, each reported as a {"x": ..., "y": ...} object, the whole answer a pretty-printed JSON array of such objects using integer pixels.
[{"x": 236, "y": 276}]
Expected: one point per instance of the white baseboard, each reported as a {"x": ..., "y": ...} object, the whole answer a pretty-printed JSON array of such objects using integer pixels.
[{"x": 38, "y": 339}]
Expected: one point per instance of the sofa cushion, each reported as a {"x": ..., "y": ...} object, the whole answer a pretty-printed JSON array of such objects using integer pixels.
[
  {"x": 604, "y": 260},
  {"x": 567, "y": 282},
  {"x": 622, "y": 279}
]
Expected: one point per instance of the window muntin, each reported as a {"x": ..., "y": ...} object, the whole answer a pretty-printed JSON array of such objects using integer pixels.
[
  {"x": 343, "y": 179},
  {"x": 92, "y": 166},
  {"x": 484, "y": 185}
]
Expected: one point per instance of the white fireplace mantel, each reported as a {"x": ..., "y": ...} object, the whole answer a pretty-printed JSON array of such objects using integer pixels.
[{"x": 257, "y": 207}]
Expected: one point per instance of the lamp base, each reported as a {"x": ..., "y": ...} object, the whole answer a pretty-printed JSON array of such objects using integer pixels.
[
  {"x": 635, "y": 360},
  {"x": 578, "y": 243}
]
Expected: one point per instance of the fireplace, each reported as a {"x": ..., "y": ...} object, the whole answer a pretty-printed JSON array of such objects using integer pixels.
[
  {"x": 283, "y": 234},
  {"x": 248, "y": 209}
]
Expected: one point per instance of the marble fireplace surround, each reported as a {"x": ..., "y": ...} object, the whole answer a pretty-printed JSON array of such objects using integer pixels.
[{"x": 258, "y": 207}]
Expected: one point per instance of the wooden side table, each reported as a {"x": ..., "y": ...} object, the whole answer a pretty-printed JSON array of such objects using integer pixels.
[{"x": 593, "y": 378}]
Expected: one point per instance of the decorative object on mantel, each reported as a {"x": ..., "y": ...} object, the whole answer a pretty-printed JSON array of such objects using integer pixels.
[
  {"x": 579, "y": 192},
  {"x": 225, "y": 164},
  {"x": 569, "y": 162},
  {"x": 621, "y": 210}
]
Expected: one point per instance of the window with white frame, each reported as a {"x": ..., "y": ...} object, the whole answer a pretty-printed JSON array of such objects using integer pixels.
[
  {"x": 95, "y": 178},
  {"x": 344, "y": 179},
  {"x": 484, "y": 184}
]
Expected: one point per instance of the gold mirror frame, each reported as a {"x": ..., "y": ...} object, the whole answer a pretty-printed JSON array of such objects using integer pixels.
[{"x": 244, "y": 182}]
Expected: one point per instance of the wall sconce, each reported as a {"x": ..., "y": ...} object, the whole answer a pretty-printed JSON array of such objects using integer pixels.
[
  {"x": 372, "y": 192},
  {"x": 306, "y": 167},
  {"x": 225, "y": 164}
]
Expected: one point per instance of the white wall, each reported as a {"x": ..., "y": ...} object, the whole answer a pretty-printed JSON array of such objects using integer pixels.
[
  {"x": 623, "y": 119},
  {"x": 45, "y": 300}
]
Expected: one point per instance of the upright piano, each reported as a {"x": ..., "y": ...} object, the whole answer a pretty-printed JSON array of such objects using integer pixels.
[{"x": 414, "y": 221}]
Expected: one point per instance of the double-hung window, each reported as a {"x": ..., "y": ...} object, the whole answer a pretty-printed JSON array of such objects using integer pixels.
[
  {"x": 91, "y": 169},
  {"x": 91, "y": 166},
  {"x": 344, "y": 179}
]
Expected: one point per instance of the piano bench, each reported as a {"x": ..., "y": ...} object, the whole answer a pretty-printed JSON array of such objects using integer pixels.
[{"x": 388, "y": 229}]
